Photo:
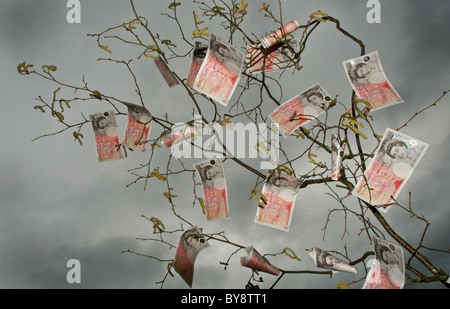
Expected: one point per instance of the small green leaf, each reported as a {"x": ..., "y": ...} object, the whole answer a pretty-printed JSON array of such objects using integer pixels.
[
  {"x": 158, "y": 175},
  {"x": 23, "y": 67},
  {"x": 288, "y": 251},
  {"x": 202, "y": 204},
  {"x": 96, "y": 95},
  {"x": 174, "y": 4},
  {"x": 39, "y": 107},
  {"x": 343, "y": 286},
  {"x": 104, "y": 47},
  {"x": 47, "y": 68},
  {"x": 158, "y": 226},
  {"x": 59, "y": 115}
]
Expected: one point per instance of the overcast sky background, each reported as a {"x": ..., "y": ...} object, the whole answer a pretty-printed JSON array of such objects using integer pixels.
[{"x": 58, "y": 203}]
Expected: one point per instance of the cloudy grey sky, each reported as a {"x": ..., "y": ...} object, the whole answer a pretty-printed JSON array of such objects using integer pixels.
[{"x": 58, "y": 203}]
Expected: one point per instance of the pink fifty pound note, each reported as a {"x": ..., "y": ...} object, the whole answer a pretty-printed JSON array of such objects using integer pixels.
[
  {"x": 106, "y": 136},
  {"x": 280, "y": 33},
  {"x": 256, "y": 261}
]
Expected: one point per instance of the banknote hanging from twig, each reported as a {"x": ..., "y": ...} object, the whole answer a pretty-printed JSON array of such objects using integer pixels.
[
  {"x": 106, "y": 136},
  {"x": 277, "y": 35},
  {"x": 369, "y": 81},
  {"x": 391, "y": 167},
  {"x": 388, "y": 268},
  {"x": 337, "y": 154},
  {"x": 175, "y": 136},
  {"x": 198, "y": 56},
  {"x": 301, "y": 109},
  {"x": 191, "y": 243},
  {"x": 279, "y": 194},
  {"x": 323, "y": 259},
  {"x": 166, "y": 71},
  {"x": 220, "y": 70},
  {"x": 138, "y": 127},
  {"x": 214, "y": 186},
  {"x": 256, "y": 261},
  {"x": 277, "y": 57}
]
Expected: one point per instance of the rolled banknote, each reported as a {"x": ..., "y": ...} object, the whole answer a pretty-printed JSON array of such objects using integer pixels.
[
  {"x": 256, "y": 261},
  {"x": 191, "y": 243},
  {"x": 323, "y": 259},
  {"x": 388, "y": 268},
  {"x": 280, "y": 33},
  {"x": 278, "y": 57},
  {"x": 368, "y": 80},
  {"x": 166, "y": 72},
  {"x": 220, "y": 71},
  {"x": 280, "y": 192},
  {"x": 106, "y": 136},
  {"x": 337, "y": 154},
  {"x": 301, "y": 109},
  {"x": 214, "y": 188},
  {"x": 391, "y": 167},
  {"x": 138, "y": 127}
]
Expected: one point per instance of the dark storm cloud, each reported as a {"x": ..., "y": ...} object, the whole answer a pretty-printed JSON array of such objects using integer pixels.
[
  {"x": 29, "y": 25},
  {"x": 425, "y": 25}
]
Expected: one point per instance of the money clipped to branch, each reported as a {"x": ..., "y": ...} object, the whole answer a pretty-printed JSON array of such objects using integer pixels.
[
  {"x": 216, "y": 70},
  {"x": 280, "y": 192},
  {"x": 325, "y": 260},
  {"x": 106, "y": 136},
  {"x": 301, "y": 109},
  {"x": 191, "y": 243},
  {"x": 387, "y": 271},
  {"x": 368, "y": 80},
  {"x": 394, "y": 161},
  {"x": 214, "y": 185},
  {"x": 257, "y": 262}
]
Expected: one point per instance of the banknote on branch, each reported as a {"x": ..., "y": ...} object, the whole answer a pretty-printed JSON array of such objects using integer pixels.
[
  {"x": 106, "y": 136},
  {"x": 279, "y": 195},
  {"x": 138, "y": 127},
  {"x": 337, "y": 154},
  {"x": 166, "y": 72},
  {"x": 173, "y": 137},
  {"x": 301, "y": 109},
  {"x": 198, "y": 56},
  {"x": 369, "y": 81},
  {"x": 220, "y": 70},
  {"x": 277, "y": 57},
  {"x": 323, "y": 259},
  {"x": 277, "y": 35},
  {"x": 191, "y": 243},
  {"x": 391, "y": 167},
  {"x": 214, "y": 186},
  {"x": 388, "y": 269},
  {"x": 256, "y": 261}
]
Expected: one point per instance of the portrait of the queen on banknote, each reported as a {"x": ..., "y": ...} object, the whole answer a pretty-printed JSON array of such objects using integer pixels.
[
  {"x": 388, "y": 268},
  {"x": 106, "y": 135},
  {"x": 191, "y": 243},
  {"x": 138, "y": 127},
  {"x": 368, "y": 79},
  {"x": 280, "y": 192},
  {"x": 226, "y": 54},
  {"x": 301, "y": 109},
  {"x": 220, "y": 71},
  {"x": 214, "y": 188},
  {"x": 392, "y": 165},
  {"x": 324, "y": 259}
]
